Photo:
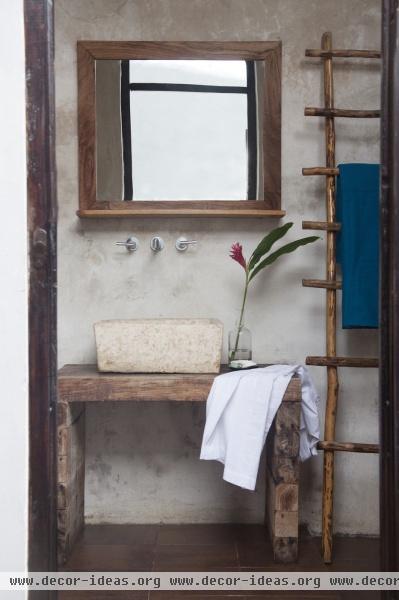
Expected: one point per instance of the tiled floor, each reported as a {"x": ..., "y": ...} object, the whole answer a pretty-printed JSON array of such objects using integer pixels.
[{"x": 209, "y": 548}]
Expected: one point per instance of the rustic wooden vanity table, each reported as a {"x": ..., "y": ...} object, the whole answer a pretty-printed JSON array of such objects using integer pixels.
[{"x": 79, "y": 384}]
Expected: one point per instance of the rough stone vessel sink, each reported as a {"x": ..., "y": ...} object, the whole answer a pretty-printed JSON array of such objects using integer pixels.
[{"x": 159, "y": 345}]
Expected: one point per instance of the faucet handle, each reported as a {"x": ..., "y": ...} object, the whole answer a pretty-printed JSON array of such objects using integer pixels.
[
  {"x": 157, "y": 244},
  {"x": 131, "y": 244},
  {"x": 183, "y": 243}
]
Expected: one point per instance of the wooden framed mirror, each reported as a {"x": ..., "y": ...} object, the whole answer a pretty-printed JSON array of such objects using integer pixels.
[{"x": 179, "y": 128}]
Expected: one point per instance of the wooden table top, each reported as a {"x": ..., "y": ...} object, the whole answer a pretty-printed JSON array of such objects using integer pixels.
[{"x": 84, "y": 383}]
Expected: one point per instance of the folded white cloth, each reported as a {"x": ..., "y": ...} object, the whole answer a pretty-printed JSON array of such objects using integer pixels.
[{"x": 240, "y": 409}]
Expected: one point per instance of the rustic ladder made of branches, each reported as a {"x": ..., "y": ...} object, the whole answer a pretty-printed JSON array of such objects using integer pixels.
[{"x": 330, "y": 284}]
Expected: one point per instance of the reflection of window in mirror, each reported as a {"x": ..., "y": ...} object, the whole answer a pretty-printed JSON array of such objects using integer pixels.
[{"x": 179, "y": 129}]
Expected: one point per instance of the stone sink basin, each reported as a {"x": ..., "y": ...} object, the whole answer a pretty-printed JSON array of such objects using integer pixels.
[{"x": 159, "y": 345}]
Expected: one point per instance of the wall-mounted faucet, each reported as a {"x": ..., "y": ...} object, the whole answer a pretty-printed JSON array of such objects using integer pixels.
[
  {"x": 157, "y": 244},
  {"x": 131, "y": 244}
]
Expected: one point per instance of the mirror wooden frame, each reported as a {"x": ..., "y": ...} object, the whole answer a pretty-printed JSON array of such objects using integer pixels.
[{"x": 90, "y": 51}]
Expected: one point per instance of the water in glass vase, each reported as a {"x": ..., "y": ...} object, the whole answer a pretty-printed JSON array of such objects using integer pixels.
[{"x": 240, "y": 344}]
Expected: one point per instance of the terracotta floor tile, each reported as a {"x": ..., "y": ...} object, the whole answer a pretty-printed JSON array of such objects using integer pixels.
[
  {"x": 198, "y": 595},
  {"x": 210, "y": 548},
  {"x": 356, "y": 549},
  {"x": 97, "y": 595},
  {"x": 251, "y": 533},
  {"x": 110, "y": 558},
  {"x": 195, "y": 558},
  {"x": 252, "y": 555},
  {"x": 295, "y": 596},
  {"x": 349, "y": 565},
  {"x": 174, "y": 595},
  {"x": 190, "y": 535},
  {"x": 120, "y": 534},
  {"x": 260, "y": 555},
  {"x": 205, "y": 595},
  {"x": 363, "y": 595},
  {"x": 309, "y": 557}
]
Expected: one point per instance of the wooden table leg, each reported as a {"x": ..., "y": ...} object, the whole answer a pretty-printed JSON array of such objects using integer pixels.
[
  {"x": 70, "y": 477},
  {"x": 282, "y": 482}
]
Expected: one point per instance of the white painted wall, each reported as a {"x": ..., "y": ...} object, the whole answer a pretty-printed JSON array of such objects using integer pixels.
[
  {"x": 13, "y": 295},
  {"x": 142, "y": 461}
]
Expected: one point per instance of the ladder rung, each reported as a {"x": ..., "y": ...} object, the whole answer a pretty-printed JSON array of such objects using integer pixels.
[
  {"x": 341, "y": 112},
  {"x": 319, "y": 283},
  {"x": 349, "y": 447},
  {"x": 313, "y": 53},
  {"x": 319, "y": 171},
  {"x": 321, "y": 225},
  {"x": 341, "y": 361}
]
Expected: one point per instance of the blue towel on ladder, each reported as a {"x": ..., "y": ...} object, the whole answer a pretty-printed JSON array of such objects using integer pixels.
[{"x": 358, "y": 243}]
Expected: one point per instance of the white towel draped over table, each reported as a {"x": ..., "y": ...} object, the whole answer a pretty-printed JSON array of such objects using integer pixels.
[{"x": 239, "y": 412}]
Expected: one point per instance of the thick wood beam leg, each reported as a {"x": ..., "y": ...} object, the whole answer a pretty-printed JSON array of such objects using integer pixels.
[
  {"x": 71, "y": 476},
  {"x": 282, "y": 518},
  {"x": 282, "y": 481}
]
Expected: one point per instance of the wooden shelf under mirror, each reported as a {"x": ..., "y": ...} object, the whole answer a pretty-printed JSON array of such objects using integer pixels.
[
  {"x": 181, "y": 209},
  {"x": 194, "y": 125}
]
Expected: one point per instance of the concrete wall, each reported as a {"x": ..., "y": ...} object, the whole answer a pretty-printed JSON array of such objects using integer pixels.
[
  {"x": 13, "y": 297},
  {"x": 143, "y": 460}
]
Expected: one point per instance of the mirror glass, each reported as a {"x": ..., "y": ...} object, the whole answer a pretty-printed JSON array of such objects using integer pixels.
[{"x": 179, "y": 129}]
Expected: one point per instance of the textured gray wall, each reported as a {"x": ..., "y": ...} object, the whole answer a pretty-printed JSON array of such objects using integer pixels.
[{"x": 143, "y": 460}]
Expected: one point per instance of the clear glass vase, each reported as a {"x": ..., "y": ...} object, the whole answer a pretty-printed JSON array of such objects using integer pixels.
[{"x": 240, "y": 343}]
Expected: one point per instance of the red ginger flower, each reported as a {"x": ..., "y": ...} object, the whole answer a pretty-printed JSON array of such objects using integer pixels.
[{"x": 236, "y": 254}]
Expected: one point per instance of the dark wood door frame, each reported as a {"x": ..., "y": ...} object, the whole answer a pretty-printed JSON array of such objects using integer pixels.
[
  {"x": 42, "y": 223},
  {"x": 389, "y": 350}
]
